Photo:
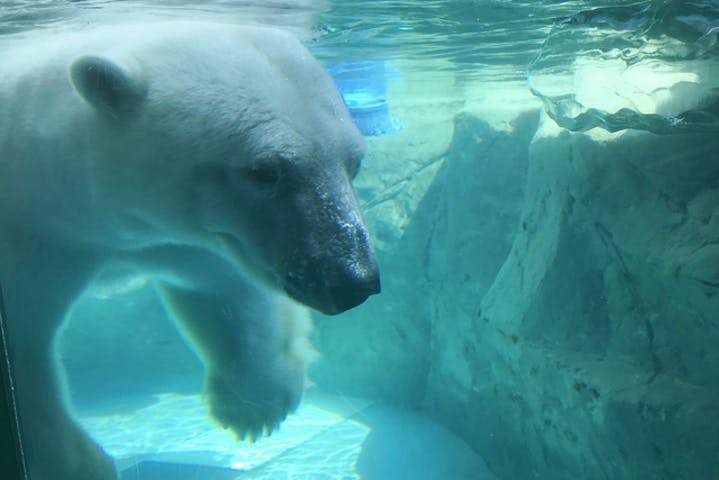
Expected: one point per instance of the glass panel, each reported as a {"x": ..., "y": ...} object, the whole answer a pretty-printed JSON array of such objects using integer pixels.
[
  {"x": 11, "y": 454},
  {"x": 318, "y": 239}
]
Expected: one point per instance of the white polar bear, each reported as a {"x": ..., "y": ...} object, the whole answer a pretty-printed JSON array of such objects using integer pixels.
[{"x": 216, "y": 158}]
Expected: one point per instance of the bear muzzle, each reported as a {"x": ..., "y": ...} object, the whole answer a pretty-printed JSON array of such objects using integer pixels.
[
  {"x": 352, "y": 292},
  {"x": 334, "y": 282},
  {"x": 332, "y": 293},
  {"x": 331, "y": 266}
]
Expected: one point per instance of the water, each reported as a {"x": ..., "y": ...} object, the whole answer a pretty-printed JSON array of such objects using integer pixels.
[
  {"x": 540, "y": 184},
  {"x": 641, "y": 37},
  {"x": 485, "y": 41}
]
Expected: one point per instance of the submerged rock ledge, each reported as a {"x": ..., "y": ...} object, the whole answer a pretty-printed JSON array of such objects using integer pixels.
[{"x": 555, "y": 305}]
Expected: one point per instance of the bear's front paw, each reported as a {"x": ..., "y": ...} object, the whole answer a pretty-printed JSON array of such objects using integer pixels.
[{"x": 251, "y": 412}]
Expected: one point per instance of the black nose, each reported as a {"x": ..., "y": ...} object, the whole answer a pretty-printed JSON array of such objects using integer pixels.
[
  {"x": 335, "y": 291},
  {"x": 350, "y": 294},
  {"x": 339, "y": 272}
]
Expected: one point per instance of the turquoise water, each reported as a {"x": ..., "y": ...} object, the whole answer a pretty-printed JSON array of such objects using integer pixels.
[
  {"x": 494, "y": 41},
  {"x": 542, "y": 316}
]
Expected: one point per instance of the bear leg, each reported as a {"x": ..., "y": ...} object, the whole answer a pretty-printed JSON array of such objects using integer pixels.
[{"x": 255, "y": 348}]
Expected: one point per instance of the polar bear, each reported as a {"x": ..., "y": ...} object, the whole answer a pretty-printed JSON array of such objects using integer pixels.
[{"x": 216, "y": 158}]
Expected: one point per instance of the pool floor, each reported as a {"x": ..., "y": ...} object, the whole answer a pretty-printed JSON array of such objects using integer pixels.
[{"x": 328, "y": 438}]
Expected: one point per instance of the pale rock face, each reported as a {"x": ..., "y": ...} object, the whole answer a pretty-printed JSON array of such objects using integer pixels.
[{"x": 217, "y": 159}]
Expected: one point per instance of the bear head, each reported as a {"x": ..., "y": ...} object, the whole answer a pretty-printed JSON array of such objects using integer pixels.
[{"x": 237, "y": 140}]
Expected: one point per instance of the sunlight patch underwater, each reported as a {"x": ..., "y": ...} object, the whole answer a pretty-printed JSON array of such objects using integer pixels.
[{"x": 177, "y": 432}]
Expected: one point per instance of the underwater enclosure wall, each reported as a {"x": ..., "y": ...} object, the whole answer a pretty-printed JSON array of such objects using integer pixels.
[{"x": 570, "y": 333}]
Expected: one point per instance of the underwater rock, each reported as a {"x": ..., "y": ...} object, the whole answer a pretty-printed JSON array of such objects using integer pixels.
[
  {"x": 550, "y": 296},
  {"x": 593, "y": 353}
]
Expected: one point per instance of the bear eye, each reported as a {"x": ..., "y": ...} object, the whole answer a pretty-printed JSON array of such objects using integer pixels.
[
  {"x": 264, "y": 178},
  {"x": 263, "y": 175}
]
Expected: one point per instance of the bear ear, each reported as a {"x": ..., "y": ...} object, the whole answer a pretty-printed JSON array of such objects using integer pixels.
[{"x": 108, "y": 86}]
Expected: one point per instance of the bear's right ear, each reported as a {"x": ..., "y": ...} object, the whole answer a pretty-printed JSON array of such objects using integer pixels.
[{"x": 107, "y": 86}]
